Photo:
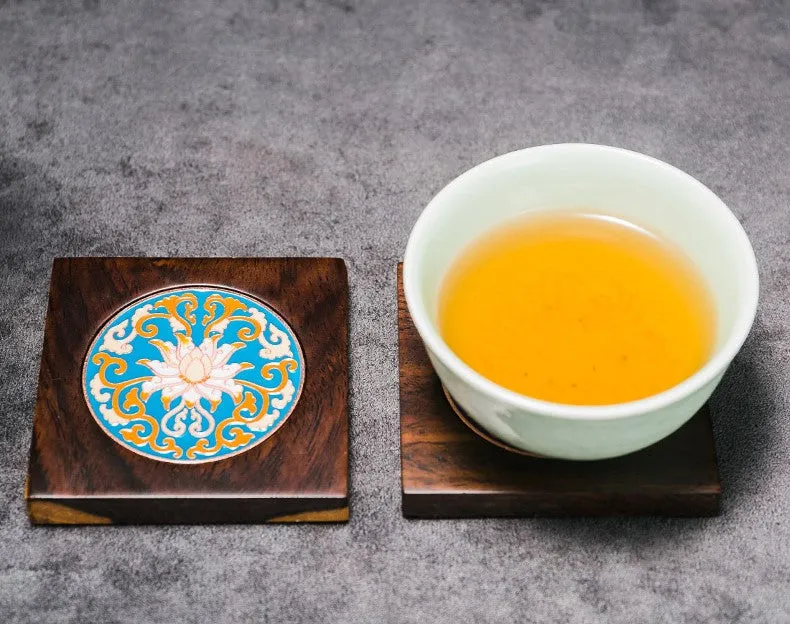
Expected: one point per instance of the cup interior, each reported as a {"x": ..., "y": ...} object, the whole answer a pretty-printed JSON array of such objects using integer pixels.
[{"x": 591, "y": 178}]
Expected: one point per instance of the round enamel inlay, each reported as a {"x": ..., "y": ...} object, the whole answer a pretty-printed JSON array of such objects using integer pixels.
[{"x": 193, "y": 374}]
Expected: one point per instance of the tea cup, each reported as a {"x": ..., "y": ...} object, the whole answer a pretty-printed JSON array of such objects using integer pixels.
[{"x": 600, "y": 179}]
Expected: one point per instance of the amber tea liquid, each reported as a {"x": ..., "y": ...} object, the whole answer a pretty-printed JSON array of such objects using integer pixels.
[{"x": 577, "y": 308}]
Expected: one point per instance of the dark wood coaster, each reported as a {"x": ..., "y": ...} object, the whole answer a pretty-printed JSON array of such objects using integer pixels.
[
  {"x": 448, "y": 471},
  {"x": 298, "y": 472}
]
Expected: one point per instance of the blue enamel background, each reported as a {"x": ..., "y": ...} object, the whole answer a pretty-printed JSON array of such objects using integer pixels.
[{"x": 247, "y": 355}]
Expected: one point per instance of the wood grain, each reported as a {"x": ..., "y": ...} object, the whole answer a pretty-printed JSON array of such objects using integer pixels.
[
  {"x": 301, "y": 470},
  {"x": 449, "y": 472}
]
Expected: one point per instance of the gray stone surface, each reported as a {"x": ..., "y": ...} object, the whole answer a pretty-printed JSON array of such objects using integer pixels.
[{"x": 322, "y": 128}]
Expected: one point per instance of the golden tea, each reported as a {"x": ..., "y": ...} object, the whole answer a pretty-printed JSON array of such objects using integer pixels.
[{"x": 577, "y": 308}]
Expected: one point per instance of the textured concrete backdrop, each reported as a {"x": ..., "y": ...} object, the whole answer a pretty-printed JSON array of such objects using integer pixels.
[{"x": 322, "y": 128}]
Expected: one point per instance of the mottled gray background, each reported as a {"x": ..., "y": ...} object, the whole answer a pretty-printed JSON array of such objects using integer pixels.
[{"x": 322, "y": 128}]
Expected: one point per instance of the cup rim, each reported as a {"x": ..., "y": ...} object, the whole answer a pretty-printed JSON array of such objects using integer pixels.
[{"x": 744, "y": 318}]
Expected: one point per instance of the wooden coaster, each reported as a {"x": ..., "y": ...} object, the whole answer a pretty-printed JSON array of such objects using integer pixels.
[
  {"x": 448, "y": 471},
  {"x": 192, "y": 391}
]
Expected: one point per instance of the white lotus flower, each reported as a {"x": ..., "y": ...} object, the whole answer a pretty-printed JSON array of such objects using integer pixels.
[{"x": 194, "y": 373}]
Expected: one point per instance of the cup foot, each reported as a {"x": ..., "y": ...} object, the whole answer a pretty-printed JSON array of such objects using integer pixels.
[{"x": 480, "y": 432}]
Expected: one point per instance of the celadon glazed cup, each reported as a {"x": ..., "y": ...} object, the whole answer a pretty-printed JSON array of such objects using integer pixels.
[{"x": 596, "y": 179}]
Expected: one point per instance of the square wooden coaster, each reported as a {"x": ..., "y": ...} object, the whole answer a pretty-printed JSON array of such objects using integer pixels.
[
  {"x": 450, "y": 472},
  {"x": 192, "y": 391}
]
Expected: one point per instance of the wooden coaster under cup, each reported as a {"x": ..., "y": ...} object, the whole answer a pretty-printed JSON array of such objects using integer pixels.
[
  {"x": 197, "y": 390},
  {"x": 454, "y": 470}
]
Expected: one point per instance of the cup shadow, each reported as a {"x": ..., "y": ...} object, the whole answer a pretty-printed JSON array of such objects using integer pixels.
[
  {"x": 745, "y": 430},
  {"x": 744, "y": 421}
]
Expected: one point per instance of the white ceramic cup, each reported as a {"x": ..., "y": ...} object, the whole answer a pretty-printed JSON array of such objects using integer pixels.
[{"x": 598, "y": 179}]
